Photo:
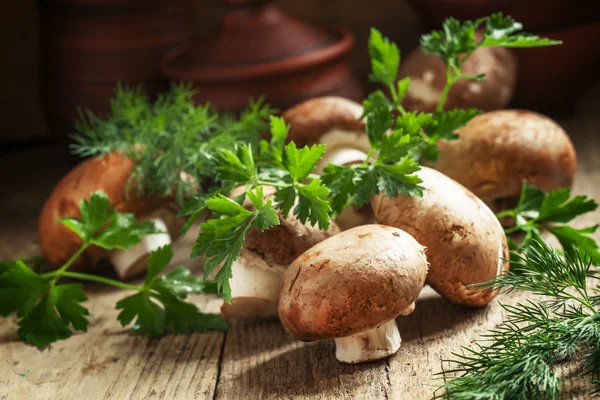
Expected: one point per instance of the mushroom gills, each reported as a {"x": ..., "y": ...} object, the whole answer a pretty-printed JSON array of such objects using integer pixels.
[
  {"x": 130, "y": 261},
  {"x": 373, "y": 344}
]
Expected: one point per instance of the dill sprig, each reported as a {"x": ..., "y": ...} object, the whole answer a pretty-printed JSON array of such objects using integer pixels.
[
  {"x": 172, "y": 140},
  {"x": 518, "y": 359}
]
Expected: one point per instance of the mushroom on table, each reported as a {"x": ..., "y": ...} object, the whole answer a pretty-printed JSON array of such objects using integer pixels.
[
  {"x": 498, "y": 150},
  {"x": 465, "y": 242},
  {"x": 351, "y": 287},
  {"x": 335, "y": 122},
  {"x": 265, "y": 256},
  {"x": 110, "y": 174}
]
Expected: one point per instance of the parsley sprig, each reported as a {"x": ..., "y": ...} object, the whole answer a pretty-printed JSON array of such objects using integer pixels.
[
  {"x": 284, "y": 167},
  {"x": 457, "y": 41},
  {"x": 538, "y": 211},
  {"x": 518, "y": 359},
  {"x": 48, "y": 310}
]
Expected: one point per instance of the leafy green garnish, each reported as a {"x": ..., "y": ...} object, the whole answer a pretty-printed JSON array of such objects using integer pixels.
[
  {"x": 284, "y": 167},
  {"x": 456, "y": 41},
  {"x": 518, "y": 359},
  {"x": 538, "y": 211},
  {"x": 167, "y": 138},
  {"x": 49, "y": 311}
]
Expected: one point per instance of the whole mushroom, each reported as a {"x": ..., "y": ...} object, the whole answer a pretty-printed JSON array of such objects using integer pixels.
[
  {"x": 465, "y": 242},
  {"x": 335, "y": 122},
  {"x": 497, "y": 150},
  {"x": 351, "y": 287},
  {"x": 265, "y": 256},
  {"x": 110, "y": 174},
  {"x": 428, "y": 78}
]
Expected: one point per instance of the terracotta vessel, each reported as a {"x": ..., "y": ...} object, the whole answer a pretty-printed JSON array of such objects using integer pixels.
[
  {"x": 88, "y": 46},
  {"x": 260, "y": 51},
  {"x": 550, "y": 79}
]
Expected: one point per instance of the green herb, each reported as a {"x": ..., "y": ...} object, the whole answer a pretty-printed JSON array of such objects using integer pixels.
[
  {"x": 518, "y": 359},
  {"x": 48, "y": 310},
  {"x": 538, "y": 211},
  {"x": 168, "y": 137},
  {"x": 457, "y": 41},
  {"x": 284, "y": 167}
]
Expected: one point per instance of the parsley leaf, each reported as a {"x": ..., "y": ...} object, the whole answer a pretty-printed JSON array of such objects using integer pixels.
[
  {"x": 385, "y": 58},
  {"x": 506, "y": 32},
  {"x": 536, "y": 210},
  {"x": 302, "y": 162},
  {"x": 169, "y": 291},
  {"x": 49, "y": 320},
  {"x": 20, "y": 288}
]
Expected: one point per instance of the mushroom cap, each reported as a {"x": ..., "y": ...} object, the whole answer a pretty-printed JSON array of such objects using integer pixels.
[
  {"x": 311, "y": 119},
  {"x": 109, "y": 174},
  {"x": 498, "y": 150},
  {"x": 428, "y": 78},
  {"x": 351, "y": 282},
  {"x": 465, "y": 241}
]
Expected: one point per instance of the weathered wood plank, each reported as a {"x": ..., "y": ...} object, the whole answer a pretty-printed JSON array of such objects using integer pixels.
[{"x": 250, "y": 360}]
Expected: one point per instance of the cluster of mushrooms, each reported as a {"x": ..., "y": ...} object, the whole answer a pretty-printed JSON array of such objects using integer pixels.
[{"x": 351, "y": 282}]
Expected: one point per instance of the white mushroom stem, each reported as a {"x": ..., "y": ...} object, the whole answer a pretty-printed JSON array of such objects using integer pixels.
[
  {"x": 374, "y": 344},
  {"x": 254, "y": 288},
  {"x": 128, "y": 262},
  {"x": 343, "y": 148}
]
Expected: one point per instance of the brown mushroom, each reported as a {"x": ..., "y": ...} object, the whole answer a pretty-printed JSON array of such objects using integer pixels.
[
  {"x": 351, "y": 287},
  {"x": 110, "y": 174},
  {"x": 428, "y": 78},
  {"x": 265, "y": 256},
  {"x": 465, "y": 242},
  {"x": 497, "y": 150},
  {"x": 335, "y": 122}
]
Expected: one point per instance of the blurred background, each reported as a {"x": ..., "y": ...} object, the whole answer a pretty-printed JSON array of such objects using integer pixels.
[{"x": 60, "y": 54}]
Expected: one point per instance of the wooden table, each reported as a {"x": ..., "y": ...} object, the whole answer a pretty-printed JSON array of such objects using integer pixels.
[{"x": 249, "y": 361}]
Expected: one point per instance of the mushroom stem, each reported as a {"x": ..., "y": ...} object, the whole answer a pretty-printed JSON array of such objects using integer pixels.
[
  {"x": 130, "y": 261},
  {"x": 374, "y": 344},
  {"x": 254, "y": 288},
  {"x": 343, "y": 148}
]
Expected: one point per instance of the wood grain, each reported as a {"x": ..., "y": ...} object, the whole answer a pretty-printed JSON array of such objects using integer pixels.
[{"x": 250, "y": 361}]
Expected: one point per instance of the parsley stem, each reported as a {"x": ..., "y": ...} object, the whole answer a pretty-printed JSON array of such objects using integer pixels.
[
  {"x": 71, "y": 260},
  {"x": 269, "y": 183},
  {"x": 444, "y": 95},
  {"x": 101, "y": 279},
  {"x": 368, "y": 157}
]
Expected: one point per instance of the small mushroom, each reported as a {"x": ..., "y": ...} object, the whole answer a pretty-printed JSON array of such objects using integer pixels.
[
  {"x": 497, "y": 150},
  {"x": 110, "y": 174},
  {"x": 335, "y": 122},
  {"x": 465, "y": 242},
  {"x": 265, "y": 256},
  {"x": 428, "y": 78},
  {"x": 351, "y": 287}
]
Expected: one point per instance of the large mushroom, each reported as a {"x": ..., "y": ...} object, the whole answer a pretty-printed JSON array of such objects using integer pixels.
[
  {"x": 110, "y": 174},
  {"x": 497, "y": 150},
  {"x": 428, "y": 78},
  {"x": 465, "y": 242},
  {"x": 351, "y": 287},
  {"x": 335, "y": 122},
  {"x": 265, "y": 256}
]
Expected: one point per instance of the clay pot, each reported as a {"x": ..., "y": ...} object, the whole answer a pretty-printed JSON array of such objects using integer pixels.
[
  {"x": 260, "y": 51},
  {"x": 88, "y": 46},
  {"x": 550, "y": 79}
]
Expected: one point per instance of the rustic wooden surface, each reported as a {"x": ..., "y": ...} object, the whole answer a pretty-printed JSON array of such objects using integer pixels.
[{"x": 249, "y": 361}]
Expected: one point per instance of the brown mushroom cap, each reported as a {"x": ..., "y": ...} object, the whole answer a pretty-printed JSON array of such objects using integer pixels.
[
  {"x": 498, "y": 150},
  {"x": 428, "y": 78},
  {"x": 464, "y": 240},
  {"x": 311, "y": 119},
  {"x": 351, "y": 282},
  {"x": 109, "y": 174}
]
